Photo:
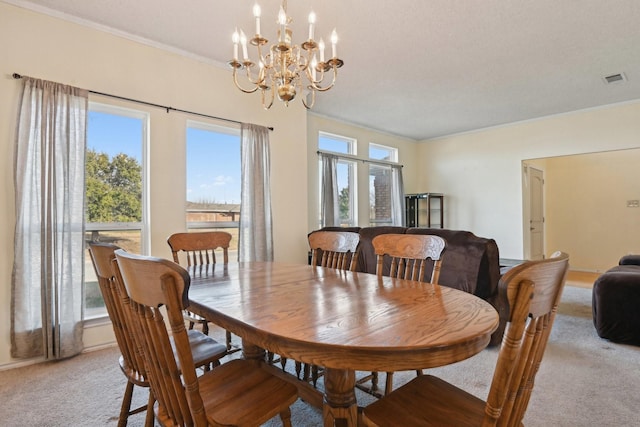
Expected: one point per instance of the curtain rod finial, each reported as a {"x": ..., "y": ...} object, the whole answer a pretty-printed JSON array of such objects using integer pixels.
[{"x": 17, "y": 76}]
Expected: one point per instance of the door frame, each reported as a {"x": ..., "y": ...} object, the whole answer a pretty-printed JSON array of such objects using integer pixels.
[{"x": 527, "y": 210}]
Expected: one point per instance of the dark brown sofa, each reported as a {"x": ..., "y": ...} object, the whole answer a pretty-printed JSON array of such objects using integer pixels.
[{"x": 470, "y": 263}]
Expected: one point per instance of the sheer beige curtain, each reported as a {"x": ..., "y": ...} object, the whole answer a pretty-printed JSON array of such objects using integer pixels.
[
  {"x": 47, "y": 296},
  {"x": 397, "y": 196},
  {"x": 329, "y": 205},
  {"x": 255, "y": 236}
]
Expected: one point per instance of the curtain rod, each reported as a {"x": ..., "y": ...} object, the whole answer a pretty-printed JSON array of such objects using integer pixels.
[
  {"x": 151, "y": 104},
  {"x": 358, "y": 159}
]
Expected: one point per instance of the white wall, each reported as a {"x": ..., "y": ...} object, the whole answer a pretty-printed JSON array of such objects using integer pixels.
[
  {"x": 52, "y": 49},
  {"x": 586, "y": 210},
  {"x": 480, "y": 172},
  {"x": 407, "y": 149}
]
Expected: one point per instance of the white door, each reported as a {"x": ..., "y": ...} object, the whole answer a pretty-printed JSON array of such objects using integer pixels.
[{"x": 536, "y": 214}]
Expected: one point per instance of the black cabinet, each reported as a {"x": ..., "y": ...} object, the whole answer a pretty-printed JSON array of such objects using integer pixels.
[{"x": 424, "y": 210}]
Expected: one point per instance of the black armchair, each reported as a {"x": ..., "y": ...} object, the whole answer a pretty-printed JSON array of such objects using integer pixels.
[{"x": 616, "y": 297}]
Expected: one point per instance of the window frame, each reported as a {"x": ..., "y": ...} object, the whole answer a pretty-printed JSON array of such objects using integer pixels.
[
  {"x": 217, "y": 128},
  {"x": 380, "y": 164},
  {"x": 393, "y": 151},
  {"x": 352, "y": 180},
  {"x": 92, "y": 314}
]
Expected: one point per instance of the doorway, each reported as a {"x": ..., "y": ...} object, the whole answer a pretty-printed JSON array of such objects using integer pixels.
[{"x": 533, "y": 195}]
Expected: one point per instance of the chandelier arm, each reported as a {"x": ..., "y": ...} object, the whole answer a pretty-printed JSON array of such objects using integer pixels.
[
  {"x": 235, "y": 80},
  {"x": 259, "y": 49},
  {"x": 316, "y": 86},
  {"x": 262, "y": 91},
  {"x": 313, "y": 100},
  {"x": 259, "y": 81},
  {"x": 308, "y": 74}
]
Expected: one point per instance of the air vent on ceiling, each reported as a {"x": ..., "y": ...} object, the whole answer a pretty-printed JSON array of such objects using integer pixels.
[{"x": 615, "y": 78}]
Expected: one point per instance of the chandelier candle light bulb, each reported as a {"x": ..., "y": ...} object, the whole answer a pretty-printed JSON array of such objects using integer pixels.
[
  {"x": 285, "y": 68},
  {"x": 256, "y": 14},
  {"x": 243, "y": 41},
  {"x": 236, "y": 39},
  {"x": 334, "y": 41},
  {"x": 312, "y": 20},
  {"x": 282, "y": 20}
]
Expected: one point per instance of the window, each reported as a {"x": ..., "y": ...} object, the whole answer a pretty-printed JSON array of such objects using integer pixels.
[
  {"x": 381, "y": 152},
  {"x": 213, "y": 179},
  {"x": 380, "y": 185},
  {"x": 115, "y": 188},
  {"x": 346, "y": 172}
]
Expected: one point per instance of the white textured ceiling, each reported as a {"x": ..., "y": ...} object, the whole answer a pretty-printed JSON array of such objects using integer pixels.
[{"x": 416, "y": 68}]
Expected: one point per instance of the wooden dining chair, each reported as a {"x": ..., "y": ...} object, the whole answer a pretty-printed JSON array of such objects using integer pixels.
[
  {"x": 533, "y": 290},
  {"x": 237, "y": 393},
  {"x": 409, "y": 255},
  {"x": 333, "y": 249},
  {"x": 199, "y": 249},
  {"x": 207, "y": 351}
]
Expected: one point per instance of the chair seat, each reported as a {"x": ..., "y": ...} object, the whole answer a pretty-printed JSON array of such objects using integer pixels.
[
  {"x": 251, "y": 395},
  {"x": 133, "y": 375},
  {"x": 205, "y": 349},
  {"x": 427, "y": 401}
]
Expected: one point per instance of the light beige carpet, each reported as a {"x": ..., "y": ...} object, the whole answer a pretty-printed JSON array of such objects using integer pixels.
[{"x": 583, "y": 381}]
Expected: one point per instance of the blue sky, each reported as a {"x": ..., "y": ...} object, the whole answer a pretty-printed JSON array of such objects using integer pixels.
[
  {"x": 213, "y": 166},
  {"x": 213, "y": 159},
  {"x": 112, "y": 134}
]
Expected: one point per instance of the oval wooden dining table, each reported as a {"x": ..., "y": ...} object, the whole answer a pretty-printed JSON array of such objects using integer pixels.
[{"x": 342, "y": 321}]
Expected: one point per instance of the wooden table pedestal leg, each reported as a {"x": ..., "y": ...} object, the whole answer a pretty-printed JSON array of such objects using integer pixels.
[
  {"x": 340, "y": 407},
  {"x": 253, "y": 352}
]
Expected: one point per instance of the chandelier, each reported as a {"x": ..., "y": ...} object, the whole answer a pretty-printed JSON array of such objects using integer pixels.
[{"x": 285, "y": 69}]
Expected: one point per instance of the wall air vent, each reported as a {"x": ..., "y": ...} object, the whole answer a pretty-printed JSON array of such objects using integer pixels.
[{"x": 615, "y": 78}]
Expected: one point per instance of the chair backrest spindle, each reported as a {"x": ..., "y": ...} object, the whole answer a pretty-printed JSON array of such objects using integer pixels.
[
  {"x": 409, "y": 254},
  {"x": 335, "y": 249},
  {"x": 199, "y": 248}
]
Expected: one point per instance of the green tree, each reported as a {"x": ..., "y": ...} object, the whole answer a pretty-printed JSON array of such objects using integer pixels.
[
  {"x": 114, "y": 188},
  {"x": 344, "y": 205}
]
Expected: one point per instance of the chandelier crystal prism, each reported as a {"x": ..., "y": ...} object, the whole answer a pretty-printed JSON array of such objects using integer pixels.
[{"x": 285, "y": 69}]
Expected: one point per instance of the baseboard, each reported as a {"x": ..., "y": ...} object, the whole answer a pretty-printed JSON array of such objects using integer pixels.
[
  {"x": 21, "y": 363},
  {"x": 99, "y": 347},
  {"x": 36, "y": 360}
]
